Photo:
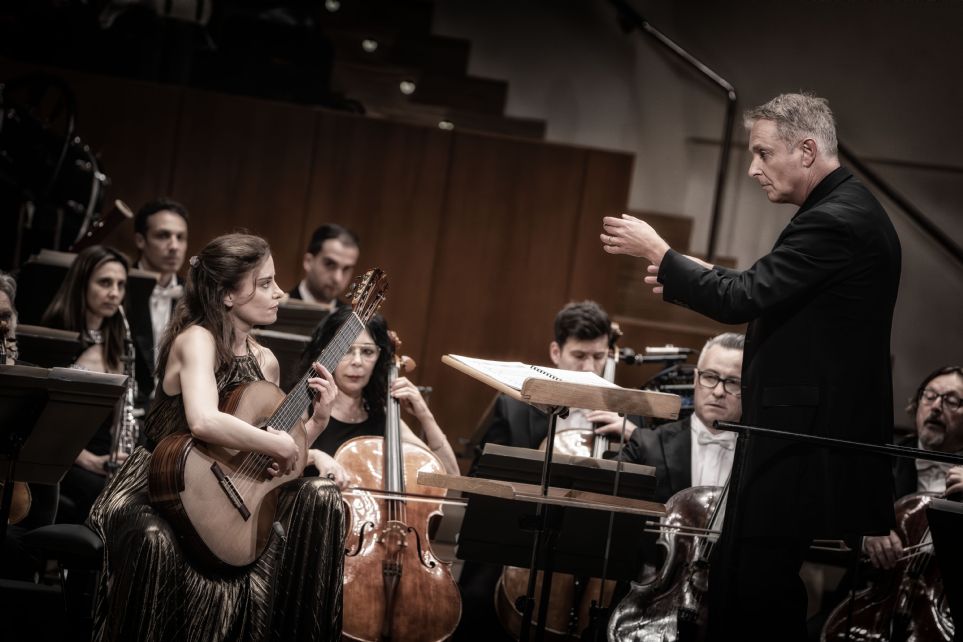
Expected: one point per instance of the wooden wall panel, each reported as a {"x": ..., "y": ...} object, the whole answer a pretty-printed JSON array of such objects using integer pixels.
[
  {"x": 594, "y": 274},
  {"x": 386, "y": 182},
  {"x": 510, "y": 218},
  {"x": 244, "y": 163}
]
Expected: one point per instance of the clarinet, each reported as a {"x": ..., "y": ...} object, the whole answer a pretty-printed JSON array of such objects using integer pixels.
[{"x": 125, "y": 430}]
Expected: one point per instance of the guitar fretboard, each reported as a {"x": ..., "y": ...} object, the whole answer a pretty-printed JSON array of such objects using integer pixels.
[{"x": 287, "y": 414}]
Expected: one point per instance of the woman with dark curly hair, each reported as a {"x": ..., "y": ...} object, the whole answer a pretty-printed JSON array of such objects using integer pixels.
[{"x": 359, "y": 408}]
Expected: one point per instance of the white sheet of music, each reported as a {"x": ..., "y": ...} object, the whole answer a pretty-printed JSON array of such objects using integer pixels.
[{"x": 514, "y": 373}]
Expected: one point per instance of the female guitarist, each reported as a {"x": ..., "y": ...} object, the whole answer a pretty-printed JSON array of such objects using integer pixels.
[{"x": 151, "y": 590}]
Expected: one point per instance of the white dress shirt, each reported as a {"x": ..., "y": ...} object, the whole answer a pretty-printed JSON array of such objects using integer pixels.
[
  {"x": 711, "y": 454},
  {"x": 930, "y": 475},
  {"x": 161, "y": 305}
]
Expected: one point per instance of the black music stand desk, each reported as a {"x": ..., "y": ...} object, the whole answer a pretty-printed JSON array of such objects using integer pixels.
[{"x": 46, "y": 418}]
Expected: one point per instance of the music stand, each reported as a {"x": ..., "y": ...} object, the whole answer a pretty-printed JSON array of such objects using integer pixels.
[
  {"x": 46, "y": 347},
  {"x": 287, "y": 348},
  {"x": 297, "y": 317},
  {"x": 43, "y": 273},
  {"x": 554, "y": 395},
  {"x": 491, "y": 528},
  {"x": 46, "y": 418}
]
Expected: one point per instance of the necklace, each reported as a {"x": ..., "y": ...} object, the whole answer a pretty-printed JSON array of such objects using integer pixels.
[{"x": 95, "y": 336}]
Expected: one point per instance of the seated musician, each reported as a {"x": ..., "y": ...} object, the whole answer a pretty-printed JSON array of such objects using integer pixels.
[
  {"x": 582, "y": 333},
  {"x": 88, "y": 302},
  {"x": 359, "y": 408},
  {"x": 150, "y": 590},
  {"x": 8, "y": 316},
  {"x": 690, "y": 452},
  {"x": 160, "y": 234},
  {"x": 937, "y": 408},
  {"x": 328, "y": 264}
]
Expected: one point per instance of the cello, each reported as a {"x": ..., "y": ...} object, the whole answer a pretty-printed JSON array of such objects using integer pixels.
[
  {"x": 572, "y": 602},
  {"x": 673, "y": 605},
  {"x": 907, "y": 604},
  {"x": 394, "y": 586}
]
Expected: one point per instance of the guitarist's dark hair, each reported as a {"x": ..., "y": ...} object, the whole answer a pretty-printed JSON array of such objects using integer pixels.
[
  {"x": 375, "y": 394},
  {"x": 68, "y": 309},
  {"x": 217, "y": 270}
]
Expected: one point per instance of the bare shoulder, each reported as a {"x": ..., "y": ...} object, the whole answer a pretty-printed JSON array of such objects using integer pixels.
[
  {"x": 270, "y": 367},
  {"x": 191, "y": 339}
]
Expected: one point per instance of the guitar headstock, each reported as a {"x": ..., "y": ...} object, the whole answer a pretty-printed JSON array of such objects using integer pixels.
[{"x": 368, "y": 292}]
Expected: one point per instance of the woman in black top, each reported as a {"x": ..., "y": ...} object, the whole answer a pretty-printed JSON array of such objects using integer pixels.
[{"x": 359, "y": 408}]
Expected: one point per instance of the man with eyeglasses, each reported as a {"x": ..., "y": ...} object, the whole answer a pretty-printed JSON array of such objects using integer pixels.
[
  {"x": 938, "y": 414},
  {"x": 817, "y": 362},
  {"x": 691, "y": 452}
]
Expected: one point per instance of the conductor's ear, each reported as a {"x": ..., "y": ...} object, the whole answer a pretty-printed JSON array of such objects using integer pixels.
[{"x": 810, "y": 149}]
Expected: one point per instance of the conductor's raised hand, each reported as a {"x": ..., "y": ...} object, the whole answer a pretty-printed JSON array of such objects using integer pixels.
[{"x": 632, "y": 236}]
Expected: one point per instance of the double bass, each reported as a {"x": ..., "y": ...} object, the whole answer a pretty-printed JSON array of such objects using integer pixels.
[
  {"x": 573, "y": 600},
  {"x": 395, "y": 588},
  {"x": 907, "y": 604}
]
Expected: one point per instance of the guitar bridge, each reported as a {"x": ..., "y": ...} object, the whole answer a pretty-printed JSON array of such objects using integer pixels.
[{"x": 232, "y": 495}]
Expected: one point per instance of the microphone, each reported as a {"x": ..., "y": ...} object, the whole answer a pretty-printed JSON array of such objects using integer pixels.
[{"x": 628, "y": 356}]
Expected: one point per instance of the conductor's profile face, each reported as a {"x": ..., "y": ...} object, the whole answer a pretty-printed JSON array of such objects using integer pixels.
[
  {"x": 777, "y": 168},
  {"x": 586, "y": 355}
]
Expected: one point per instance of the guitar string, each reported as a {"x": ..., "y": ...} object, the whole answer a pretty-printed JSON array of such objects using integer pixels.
[
  {"x": 286, "y": 415},
  {"x": 287, "y": 412}
]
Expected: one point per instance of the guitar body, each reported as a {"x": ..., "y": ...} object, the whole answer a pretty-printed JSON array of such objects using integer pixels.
[{"x": 221, "y": 507}]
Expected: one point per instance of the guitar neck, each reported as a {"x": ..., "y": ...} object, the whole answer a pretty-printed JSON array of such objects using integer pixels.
[{"x": 289, "y": 412}]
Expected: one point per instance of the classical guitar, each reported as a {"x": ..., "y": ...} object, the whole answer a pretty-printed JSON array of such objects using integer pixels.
[{"x": 221, "y": 502}]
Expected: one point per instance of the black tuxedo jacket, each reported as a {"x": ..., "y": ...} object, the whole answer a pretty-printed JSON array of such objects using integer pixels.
[
  {"x": 667, "y": 447},
  {"x": 137, "y": 307},
  {"x": 512, "y": 423},
  {"x": 816, "y": 361}
]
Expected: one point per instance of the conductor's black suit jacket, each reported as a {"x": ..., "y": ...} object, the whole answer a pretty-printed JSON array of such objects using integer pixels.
[{"x": 816, "y": 361}]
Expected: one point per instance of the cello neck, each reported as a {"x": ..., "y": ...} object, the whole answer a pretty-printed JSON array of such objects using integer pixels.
[{"x": 394, "y": 474}]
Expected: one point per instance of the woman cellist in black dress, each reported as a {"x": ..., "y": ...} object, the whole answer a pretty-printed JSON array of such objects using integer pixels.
[{"x": 358, "y": 410}]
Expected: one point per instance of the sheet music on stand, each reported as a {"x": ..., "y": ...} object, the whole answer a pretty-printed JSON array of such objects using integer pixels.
[{"x": 554, "y": 392}]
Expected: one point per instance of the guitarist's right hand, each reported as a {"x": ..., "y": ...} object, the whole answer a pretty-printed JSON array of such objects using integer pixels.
[{"x": 286, "y": 453}]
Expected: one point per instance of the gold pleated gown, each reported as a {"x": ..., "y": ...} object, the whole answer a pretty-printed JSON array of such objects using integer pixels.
[{"x": 150, "y": 591}]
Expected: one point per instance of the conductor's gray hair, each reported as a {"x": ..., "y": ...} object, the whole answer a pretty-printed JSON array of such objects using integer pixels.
[
  {"x": 798, "y": 117},
  {"x": 728, "y": 340}
]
